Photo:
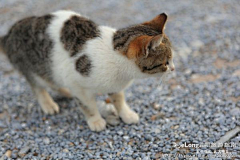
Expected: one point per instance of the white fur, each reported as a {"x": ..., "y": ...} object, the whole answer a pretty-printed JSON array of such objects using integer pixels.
[
  {"x": 63, "y": 65},
  {"x": 112, "y": 72}
]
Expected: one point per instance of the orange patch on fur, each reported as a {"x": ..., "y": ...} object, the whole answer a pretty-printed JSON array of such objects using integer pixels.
[{"x": 137, "y": 46}]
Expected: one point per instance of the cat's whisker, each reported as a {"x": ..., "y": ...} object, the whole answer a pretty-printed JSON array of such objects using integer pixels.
[
  {"x": 164, "y": 78},
  {"x": 161, "y": 81}
]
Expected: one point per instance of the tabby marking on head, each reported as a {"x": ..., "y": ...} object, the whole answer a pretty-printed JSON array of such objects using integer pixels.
[{"x": 147, "y": 45}]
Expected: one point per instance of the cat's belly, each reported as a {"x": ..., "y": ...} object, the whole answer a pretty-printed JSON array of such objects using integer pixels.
[
  {"x": 69, "y": 78},
  {"x": 111, "y": 87}
]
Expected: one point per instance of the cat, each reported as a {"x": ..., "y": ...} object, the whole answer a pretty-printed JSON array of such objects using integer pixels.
[{"x": 73, "y": 55}]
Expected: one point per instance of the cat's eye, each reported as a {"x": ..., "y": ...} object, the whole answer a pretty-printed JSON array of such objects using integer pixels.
[
  {"x": 167, "y": 63},
  {"x": 146, "y": 68}
]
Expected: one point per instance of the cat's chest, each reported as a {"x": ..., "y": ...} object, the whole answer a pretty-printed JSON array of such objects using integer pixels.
[
  {"x": 118, "y": 86},
  {"x": 109, "y": 84}
]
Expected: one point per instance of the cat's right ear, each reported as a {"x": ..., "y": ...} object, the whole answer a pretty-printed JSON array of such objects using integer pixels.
[
  {"x": 153, "y": 43},
  {"x": 158, "y": 22}
]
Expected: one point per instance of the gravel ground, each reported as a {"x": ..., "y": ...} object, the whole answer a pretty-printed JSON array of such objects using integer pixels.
[{"x": 198, "y": 104}]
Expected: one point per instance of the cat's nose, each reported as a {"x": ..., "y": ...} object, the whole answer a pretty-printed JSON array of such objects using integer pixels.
[{"x": 172, "y": 67}]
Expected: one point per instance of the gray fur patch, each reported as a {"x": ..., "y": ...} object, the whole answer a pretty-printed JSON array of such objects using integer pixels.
[
  {"x": 28, "y": 47},
  {"x": 124, "y": 36},
  {"x": 76, "y": 31},
  {"x": 83, "y": 65}
]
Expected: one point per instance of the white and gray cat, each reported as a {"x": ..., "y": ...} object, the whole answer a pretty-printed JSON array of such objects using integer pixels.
[{"x": 75, "y": 56}]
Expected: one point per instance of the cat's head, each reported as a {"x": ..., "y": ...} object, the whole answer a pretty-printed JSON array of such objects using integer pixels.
[{"x": 152, "y": 52}]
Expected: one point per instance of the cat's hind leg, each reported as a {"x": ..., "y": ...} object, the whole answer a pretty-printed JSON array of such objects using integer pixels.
[
  {"x": 125, "y": 112},
  {"x": 45, "y": 100},
  {"x": 38, "y": 86}
]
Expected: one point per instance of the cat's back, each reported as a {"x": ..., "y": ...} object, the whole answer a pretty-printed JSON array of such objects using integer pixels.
[
  {"x": 36, "y": 35},
  {"x": 72, "y": 30},
  {"x": 27, "y": 34},
  {"x": 31, "y": 42},
  {"x": 70, "y": 33}
]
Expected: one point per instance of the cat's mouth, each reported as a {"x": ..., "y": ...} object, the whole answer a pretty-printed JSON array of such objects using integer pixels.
[{"x": 151, "y": 68}]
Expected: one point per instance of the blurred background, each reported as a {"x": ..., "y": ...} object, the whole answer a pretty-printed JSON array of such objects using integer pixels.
[{"x": 198, "y": 103}]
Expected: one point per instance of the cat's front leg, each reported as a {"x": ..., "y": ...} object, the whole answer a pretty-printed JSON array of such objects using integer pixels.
[
  {"x": 125, "y": 112},
  {"x": 87, "y": 103}
]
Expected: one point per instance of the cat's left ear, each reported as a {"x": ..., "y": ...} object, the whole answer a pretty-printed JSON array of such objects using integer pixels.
[
  {"x": 153, "y": 43},
  {"x": 158, "y": 22}
]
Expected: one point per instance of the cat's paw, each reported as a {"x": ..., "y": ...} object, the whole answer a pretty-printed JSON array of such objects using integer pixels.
[
  {"x": 50, "y": 107},
  {"x": 96, "y": 123},
  {"x": 109, "y": 112},
  {"x": 112, "y": 120},
  {"x": 129, "y": 117}
]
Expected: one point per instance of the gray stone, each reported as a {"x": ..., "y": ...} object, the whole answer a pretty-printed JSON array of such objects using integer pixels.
[
  {"x": 24, "y": 150},
  {"x": 46, "y": 140}
]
